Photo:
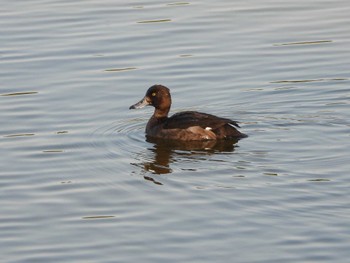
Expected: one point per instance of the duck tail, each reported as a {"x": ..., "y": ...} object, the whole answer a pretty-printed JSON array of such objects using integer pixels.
[{"x": 228, "y": 131}]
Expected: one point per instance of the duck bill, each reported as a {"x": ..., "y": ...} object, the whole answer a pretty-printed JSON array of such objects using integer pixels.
[{"x": 142, "y": 103}]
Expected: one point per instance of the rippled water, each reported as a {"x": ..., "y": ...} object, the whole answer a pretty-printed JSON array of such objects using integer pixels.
[{"x": 80, "y": 183}]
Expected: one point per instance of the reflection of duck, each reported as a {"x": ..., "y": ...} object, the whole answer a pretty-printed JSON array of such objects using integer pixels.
[
  {"x": 210, "y": 146},
  {"x": 184, "y": 126},
  {"x": 166, "y": 152}
]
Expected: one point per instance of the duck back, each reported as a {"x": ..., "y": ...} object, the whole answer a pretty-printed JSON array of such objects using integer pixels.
[{"x": 223, "y": 128}]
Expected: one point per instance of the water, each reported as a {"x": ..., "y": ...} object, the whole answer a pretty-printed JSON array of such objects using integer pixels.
[{"x": 78, "y": 180}]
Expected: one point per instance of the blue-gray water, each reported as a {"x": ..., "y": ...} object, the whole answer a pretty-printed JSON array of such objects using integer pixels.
[{"x": 78, "y": 181}]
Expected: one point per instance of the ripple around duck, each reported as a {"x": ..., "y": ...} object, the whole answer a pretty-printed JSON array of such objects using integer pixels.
[
  {"x": 113, "y": 146},
  {"x": 119, "y": 138},
  {"x": 122, "y": 149}
]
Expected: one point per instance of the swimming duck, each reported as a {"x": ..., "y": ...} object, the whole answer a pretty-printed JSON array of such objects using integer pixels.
[{"x": 185, "y": 126}]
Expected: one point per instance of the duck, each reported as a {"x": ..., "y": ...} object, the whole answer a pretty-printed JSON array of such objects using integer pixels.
[{"x": 186, "y": 125}]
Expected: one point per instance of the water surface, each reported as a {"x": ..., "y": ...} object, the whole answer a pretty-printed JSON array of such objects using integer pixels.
[{"x": 79, "y": 181}]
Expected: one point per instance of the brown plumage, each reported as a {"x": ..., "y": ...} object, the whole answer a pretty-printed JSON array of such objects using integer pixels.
[{"x": 186, "y": 126}]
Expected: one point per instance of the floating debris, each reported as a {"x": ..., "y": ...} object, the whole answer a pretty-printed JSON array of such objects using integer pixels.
[
  {"x": 178, "y": 3},
  {"x": 119, "y": 69},
  {"x": 339, "y": 79},
  {"x": 307, "y": 80},
  {"x": 319, "y": 180},
  {"x": 97, "y": 217},
  {"x": 271, "y": 174},
  {"x": 19, "y": 93},
  {"x": 226, "y": 186},
  {"x": 305, "y": 43},
  {"x": 296, "y": 81},
  {"x": 53, "y": 151},
  {"x": 66, "y": 182},
  {"x": 62, "y": 132},
  {"x": 154, "y": 21},
  {"x": 19, "y": 135},
  {"x": 185, "y": 56}
]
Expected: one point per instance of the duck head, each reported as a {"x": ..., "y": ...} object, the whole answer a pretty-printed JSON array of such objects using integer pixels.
[{"x": 157, "y": 96}]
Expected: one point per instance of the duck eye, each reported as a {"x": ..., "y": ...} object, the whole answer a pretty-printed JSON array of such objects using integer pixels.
[{"x": 154, "y": 94}]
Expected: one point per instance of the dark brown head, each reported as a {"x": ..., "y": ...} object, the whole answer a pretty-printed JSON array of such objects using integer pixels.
[{"x": 157, "y": 96}]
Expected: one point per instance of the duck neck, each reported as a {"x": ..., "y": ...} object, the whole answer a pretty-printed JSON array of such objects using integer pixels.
[
  {"x": 156, "y": 120},
  {"x": 161, "y": 114}
]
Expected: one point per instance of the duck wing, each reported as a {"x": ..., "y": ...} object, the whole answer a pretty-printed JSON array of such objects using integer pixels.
[{"x": 186, "y": 119}]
